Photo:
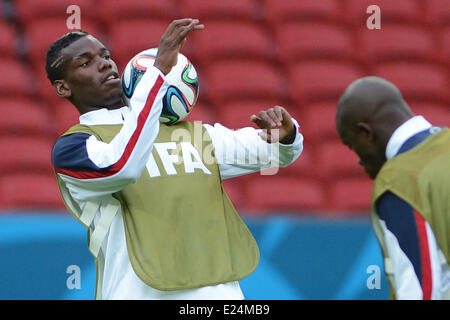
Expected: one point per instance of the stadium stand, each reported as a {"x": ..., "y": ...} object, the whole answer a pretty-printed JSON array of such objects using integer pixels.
[
  {"x": 300, "y": 54},
  {"x": 277, "y": 12},
  {"x": 284, "y": 194},
  {"x": 437, "y": 12},
  {"x": 313, "y": 81},
  {"x": 138, "y": 35},
  {"x": 318, "y": 121},
  {"x": 16, "y": 78},
  {"x": 8, "y": 40},
  {"x": 202, "y": 112},
  {"x": 29, "y": 11},
  {"x": 404, "y": 11},
  {"x": 335, "y": 161},
  {"x": 319, "y": 40},
  {"x": 26, "y": 153},
  {"x": 65, "y": 116},
  {"x": 30, "y": 191},
  {"x": 114, "y": 11},
  {"x": 445, "y": 44},
  {"x": 37, "y": 122},
  {"x": 304, "y": 166},
  {"x": 349, "y": 196},
  {"x": 233, "y": 40},
  {"x": 235, "y": 189},
  {"x": 396, "y": 42},
  {"x": 436, "y": 113},
  {"x": 222, "y": 10},
  {"x": 416, "y": 81},
  {"x": 265, "y": 81},
  {"x": 236, "y": 114}
]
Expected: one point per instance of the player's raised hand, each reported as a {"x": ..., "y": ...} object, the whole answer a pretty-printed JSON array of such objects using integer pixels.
[
  {"x": 277, "y": 125},
  {"x": 172, "y": 41}
]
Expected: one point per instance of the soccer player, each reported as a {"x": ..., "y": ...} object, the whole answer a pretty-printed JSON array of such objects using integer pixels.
[
  {"x": 159, "y": 222},
  {"x": 409, "y": 159}
]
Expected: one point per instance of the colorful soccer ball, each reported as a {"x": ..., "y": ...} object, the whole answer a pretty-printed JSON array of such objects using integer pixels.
[{"x": 182, "y": 93}]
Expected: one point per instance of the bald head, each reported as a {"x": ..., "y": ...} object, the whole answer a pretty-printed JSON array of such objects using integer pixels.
[
  {"x": 371, "y": 99},
  {"x": 369, "y": 111}
]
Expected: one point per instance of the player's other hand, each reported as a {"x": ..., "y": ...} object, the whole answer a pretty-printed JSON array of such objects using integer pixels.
[
  {"x": 277, "y": 125},
  {"x": 172, "y": 41}
]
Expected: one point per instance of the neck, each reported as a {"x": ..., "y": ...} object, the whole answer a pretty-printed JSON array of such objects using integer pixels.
[
  {"x": 86, "y": 109},
  {"x": 388, "y": 127}
]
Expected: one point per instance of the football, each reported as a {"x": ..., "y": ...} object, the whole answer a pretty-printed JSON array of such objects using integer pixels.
[{"x": 183, "y": 88}]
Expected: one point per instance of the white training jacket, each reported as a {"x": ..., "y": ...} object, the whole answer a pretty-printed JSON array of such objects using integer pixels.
[
  {"x": 416, "y": 263},
  {"x": 93, "y": 170}
]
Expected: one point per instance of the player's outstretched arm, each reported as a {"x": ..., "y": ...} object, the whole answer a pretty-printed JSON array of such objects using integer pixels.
[{"x": 249, "y": 150}]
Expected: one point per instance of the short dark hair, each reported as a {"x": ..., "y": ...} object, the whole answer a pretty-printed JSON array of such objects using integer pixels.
[{"x": 54, "y": 61}]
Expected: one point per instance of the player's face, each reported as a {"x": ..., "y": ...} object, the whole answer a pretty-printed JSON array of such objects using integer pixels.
[
  {"x": 371, "y": 156},
  {"x": 92, "y": 75}
]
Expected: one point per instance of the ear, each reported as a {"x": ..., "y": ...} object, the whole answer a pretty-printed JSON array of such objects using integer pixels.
[
  {"x": 366, "y": 130},
  {"x": 62, "y": 89}
]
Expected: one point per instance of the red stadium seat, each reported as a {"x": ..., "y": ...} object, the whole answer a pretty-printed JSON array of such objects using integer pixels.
[
  {"x": 318, "y": 121},
  {"x": 350, "y": 196},
  {"x": 238, "y": 80},
  {"x": 445, "y": 44},
  {"x": 321, "y": 80},
  {"x": 25, "y": 117},
  {"x": 235, "y": 189},
  {"x": 46, "y": 90},
  {"x": 236, "y": 115},
  {"x": 313, "y": 40},
  {"x": 113, "y": 11},
  {"x": 305, "y": 10},
  {"x": 275, "y": 193},
  {"x": 140, "y": 34},
  {"x": 221, "y": 10},
  {"x": 398, "y": 42},
  {"x": 336, "y": 161},
  {"x": 232, "y": 39},
  {"x": 65, "y": 115},
  {"x": 416, "y": 81},
  {"x": 16, "y": 80},
  {"x": 204, "y": 113},
  {"x": 25, "y": 191},
  {"x": 304, "y": 166},
  {"x": 437, "y": 114},
  {"x": 40, "y": 34},
  {"x": 25, "y": 153},
  {"x": 408, "y": 11},
  {"x": 8, "y": 40},
  {"x": 437, "y": 11},
  {"x": 29, "y": 11}
]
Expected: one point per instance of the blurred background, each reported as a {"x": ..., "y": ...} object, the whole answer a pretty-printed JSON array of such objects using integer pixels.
[{"x": 311, "y": 220}]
